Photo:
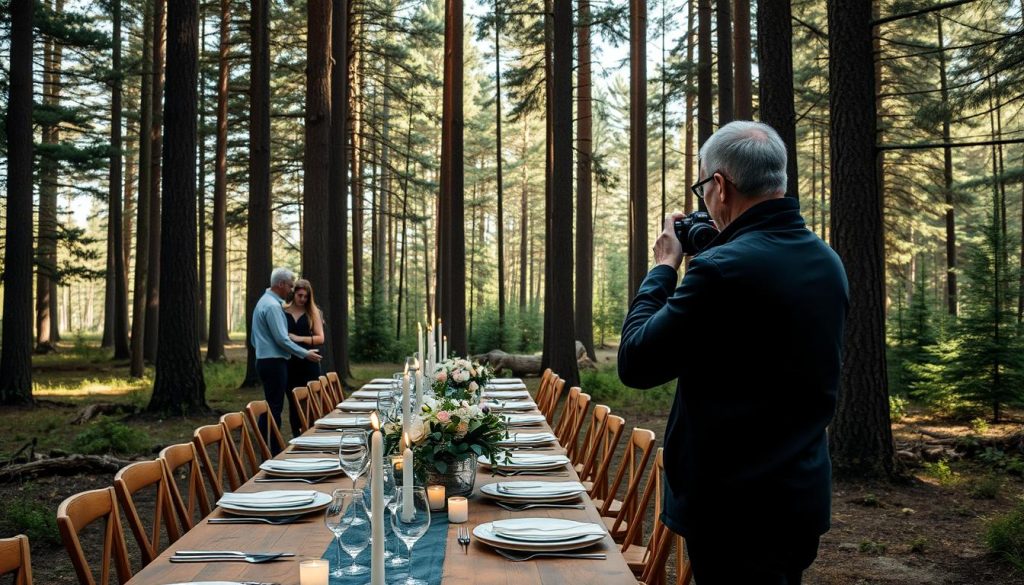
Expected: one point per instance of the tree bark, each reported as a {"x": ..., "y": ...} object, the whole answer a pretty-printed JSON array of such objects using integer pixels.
[
  {"x": 500, "y": 220},
  {"x": 741, "y": 55},
  {"x": 142, "y": 227},
  {"x": 259, "y": 254},
  {"x": 775, "y": 90},
  {"x": 219, "y": 275},
  {"x": 451, "y": 265},
  {"x": 704, "y": 95},
  {"x": 179, "y": 388},
  {"x": 115, "y": 218},
  {"x": 688, "y": 149},
  {"x": 153, "y": 275},
  {"x": 947, "y": 184},
  {"x": 405, "y": 226},
  {"x": 584, "y": 179},
  {"x": 16, "y": 354},
  {"x": 524, "y": 218},
  {"x": 337, "y": 204},
  {"x": 637, "y": 144},
  {"x": 356, "y": 104},
  {"x": 46, "y": 274},
  {"x": 723, "y": 14},
  {"x": 560, "y": 344},
  {"x": 201, "y": 307},
  {"x": 861, "y": 434}
]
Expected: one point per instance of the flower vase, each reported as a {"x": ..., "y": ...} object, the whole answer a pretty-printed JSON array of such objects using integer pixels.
[{"x": 459, "y": 478}]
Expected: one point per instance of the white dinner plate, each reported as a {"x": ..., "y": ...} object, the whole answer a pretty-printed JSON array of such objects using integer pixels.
[
  {"x": 518, "y": 438},
  {"x": 491, "y": 490},
  {"x": 325, "y": 442},
  {"x": 320, "y": 501},
  {"x": 511, "y": 405},
  {"x": 340, "y": 422},
  {"x": 506, "y": 394},
  {"x": 485, "y": 532},
  {"x": 517, "y": 420},
  {"x": 528, "y": 461},
  {"x": 357, "y": 406},
  {"x": 371, "y": 394},
  {"x": 278, "y": 470}
]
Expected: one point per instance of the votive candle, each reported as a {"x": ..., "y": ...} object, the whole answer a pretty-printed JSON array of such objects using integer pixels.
[
  {"x": 458, "y": 509},
  {"x": 313, "y": 572},
  {"x": 435, "y": 497}
]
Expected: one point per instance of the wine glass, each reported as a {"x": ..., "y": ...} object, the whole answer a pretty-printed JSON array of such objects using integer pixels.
[
  {"x": 347, "y": 506},
  {"x": 386, "y": 405},
  {"x": 410, "y": 520}
]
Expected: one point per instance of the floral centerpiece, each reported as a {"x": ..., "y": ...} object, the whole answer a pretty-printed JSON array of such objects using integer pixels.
[
  {"x": 447, "y": 435},
  {"x": 460, "y": 379}
]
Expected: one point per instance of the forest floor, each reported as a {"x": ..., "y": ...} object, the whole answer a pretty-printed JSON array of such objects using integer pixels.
[{"x": 928, "y": 528}]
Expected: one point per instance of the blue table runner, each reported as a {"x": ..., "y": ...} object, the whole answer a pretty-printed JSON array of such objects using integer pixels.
[{"x": 427, "y": 554}]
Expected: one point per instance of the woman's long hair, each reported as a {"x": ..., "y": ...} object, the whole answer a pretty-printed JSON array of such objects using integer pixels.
[{"x": 312, "y": 311}]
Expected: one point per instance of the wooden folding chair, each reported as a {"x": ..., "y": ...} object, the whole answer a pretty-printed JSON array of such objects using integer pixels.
[
  {"x": 256, "y": 410},
  {"x": 243, "y": 449},
  {"x": 320, "y": 404},
  {"x": 569, "y": 437},
  {"x": 639, "y": 558},
  {"x": 586, "y": 461},
  {"x": 128, "y": 482},
  {"x": 618, "y": 515},
  {"x": 302, "y": 407},
  {"x": 174, "y": 458},
  {"x": 212, "y": 437},
  {"x": 329, "y": 396},
  {"x": 339, "y": 388},
  {"x": 609, "y": 442},
  {"x": 654, "y": 570},
  {"x": 15, "y": 558},
  {"x": 557, "y": 385},
  {"x": 565, "y": 421},
  {"x": 544, "y": 388},
  {"x": 81, "y": 510}
]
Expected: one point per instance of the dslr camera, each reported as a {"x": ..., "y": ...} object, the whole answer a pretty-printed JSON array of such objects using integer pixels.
[{"x": 695, "y": 232}]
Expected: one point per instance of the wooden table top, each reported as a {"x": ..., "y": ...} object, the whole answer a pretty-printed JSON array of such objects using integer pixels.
[{"x": 309, "y": 538}]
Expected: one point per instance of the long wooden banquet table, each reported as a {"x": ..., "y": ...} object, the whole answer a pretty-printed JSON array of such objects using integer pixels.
[{"x": 309, "y": 539}]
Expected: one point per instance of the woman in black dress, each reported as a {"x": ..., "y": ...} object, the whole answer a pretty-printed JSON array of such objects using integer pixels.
[{"x": 306, "y": 328}]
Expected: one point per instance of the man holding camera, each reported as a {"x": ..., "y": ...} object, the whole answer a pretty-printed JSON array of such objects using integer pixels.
[{"x": 754, "y": 335}]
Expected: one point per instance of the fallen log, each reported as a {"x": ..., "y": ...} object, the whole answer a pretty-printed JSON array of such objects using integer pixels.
[
  {"x": 93, "y": 410},
  {"x": 70, "y": 465},
  {"x": 522, "y": 365}
]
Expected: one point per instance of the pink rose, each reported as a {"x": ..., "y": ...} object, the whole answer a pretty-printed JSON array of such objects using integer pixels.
[
  {"x": 444, "y": 416},
  {"x": 442, "y": 377}
]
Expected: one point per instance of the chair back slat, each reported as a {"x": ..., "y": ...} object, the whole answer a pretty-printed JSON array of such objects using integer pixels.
[
  {"x": 634, "y": 463},
  {"x": 544, "y": 388},
  {"x": 301, "y": 408},
  {"x": 129, "y": 481},
  {"x": 174, "y": 458},
  {"x": 651, "y": 491},
  {"x": 609, "y": 443},
  {"x": 16, "y": 558},
  {"x": 212, "y": 437},
  {"x": 256, "y": 411},
  {"x": 81, "y": 510},
  {"x": 568, "y": 411},
  {"x": 330, "y": 397},
  {"x": 571, "y": 441},
  {"x": 591, "y": 446},
  {"x": 339, "y": 388},
  {"x": 243, "y": 449},
  {"x": 319, "y": 403},
  {"x": 557, "y": 386}
]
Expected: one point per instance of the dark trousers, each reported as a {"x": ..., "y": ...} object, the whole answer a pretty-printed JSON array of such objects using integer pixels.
[
  {"x": 274, "y": 375},
  {"x": 730, "y": 559}
]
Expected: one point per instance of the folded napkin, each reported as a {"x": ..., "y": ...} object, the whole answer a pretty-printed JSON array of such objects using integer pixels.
[
  {"x": 506, "y": 381},
  {"x": 269, "y": 499},
  {"x": 528, "y": 438},
  {"x": 545, "y": 529},
  {"x": 512, "y": 405},
  {"x": 522, "y": 419},
  {"x": 532, "y": 488},
  {"x": 531, "y": 459},
  {"x": 313, "y": 464},
  {"x": 343, "y": 421},
  {"x": 379, "y": 381},
  {"x": 357, "y": 405},
  {"x": 370, "y": 393},
  {"x": 326, "y": 441},
  {"x": 491, "y": 387},
  {"x": 506, "y": 394}
]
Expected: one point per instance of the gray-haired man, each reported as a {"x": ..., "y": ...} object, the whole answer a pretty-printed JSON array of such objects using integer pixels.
[
  {"x": 754, "y": 335},
  {"x": 273, "y": 347}
]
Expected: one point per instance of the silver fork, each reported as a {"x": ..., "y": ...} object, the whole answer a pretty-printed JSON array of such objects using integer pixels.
[
  {"x": 217, "y": 558},
  {"x": 520, "y": 507},
  {"x": 255, "y": 520},
  {"x": 290, "y": 480},
  {"x": 530, "y": 472},
  {"x": 463, "y": 538},
  {"x": 517, "y": 557}
]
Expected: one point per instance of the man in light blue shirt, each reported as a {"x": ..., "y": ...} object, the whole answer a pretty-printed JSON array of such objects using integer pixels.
[{"x": 273, "y": 347}]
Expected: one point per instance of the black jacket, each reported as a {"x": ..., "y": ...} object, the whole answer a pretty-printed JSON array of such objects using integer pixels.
[{"x": 754, "y": 335}]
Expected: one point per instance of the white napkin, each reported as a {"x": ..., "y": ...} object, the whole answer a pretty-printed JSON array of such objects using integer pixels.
[
  {"x": 512, "y": 405},
  {"x": 506, "y": 381},
  {"x": 540, "y": 487},
  {"x": 380, "y": 381},
  {"x": 544, "y": 529},
  {"x": 312, "y": 464},
  {"x": 343, "y": 421},
  {"x": 269, "y": 499},
  {"x": 507, "y": 386},
  {"x": 531, "y": 459},
  {"x": 507, "y": 394},
  {"x": 356, "y": 405},
  {"x": 522, "y": 419},
  {"x": 326, "y": 441},
  {"x": 527, "y": 438},
  {"x": 370, "y": 393}
]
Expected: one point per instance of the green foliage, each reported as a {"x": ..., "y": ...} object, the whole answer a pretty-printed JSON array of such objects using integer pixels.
[
  {"x": 605, "y": 387},
  {"x": 986, "y": 487},
  {"x": 110, "y": 437},
  {"x": 24, "y": 515},
  {"x": 998, "y": 459},
  {"x": 897, "y": 408},
  {"x": 979, "y": 425},
  {"x": 919, "y": 545},
  {"x": 373, "y": 339},
  {"x": 871, "y": 547},
  {"x": 941, "y": 471},
  {"x": 1004, "y": 537}
]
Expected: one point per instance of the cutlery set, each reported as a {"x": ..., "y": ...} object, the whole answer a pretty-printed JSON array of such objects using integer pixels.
[{"x": 217, "y": 556}]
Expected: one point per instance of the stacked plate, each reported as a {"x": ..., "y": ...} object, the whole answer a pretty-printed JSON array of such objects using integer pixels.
[
  {"x": 511, "y": 405},
  {"x": 539, "y": 534},
  {"x": 358, "y": 406},
  {"x": 533, "y": 491},
  {"x": 343, "y": 422},
  {"x": 309, "y": 467},
  {"x": 518, "y": 461},
  {"x": 371, "y": 393},
  {"x": 516, "y": 439},
  {"x": 274, "y": 502},
  {"x": 492, "y": 385},
  {"x": 506, "y": 394},
  {"x": 325, "y": 442},
  {"x": 506, "y": 381},
  {"x": 522, "y": 420}
]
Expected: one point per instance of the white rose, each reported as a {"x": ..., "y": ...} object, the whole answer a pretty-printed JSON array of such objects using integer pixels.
[
  {"x": 473, "y": 386},
  {"x": 417, "y": 430}
]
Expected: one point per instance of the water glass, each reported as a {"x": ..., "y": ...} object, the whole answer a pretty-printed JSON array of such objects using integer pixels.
[
  {"x": 410, "y": 520},
  {"x": 347, "y": 506}
]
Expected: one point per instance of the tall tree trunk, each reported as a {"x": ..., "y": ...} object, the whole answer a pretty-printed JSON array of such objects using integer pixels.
[
  {"x": 637, "y": 144},
  {"x": 947, "y": 182},
  {"x": 316, "y": 159},
  {"x": 499, "y": 183},
  {"x": 861, "y": 434},
  {"x": 259, "y": 253},
  {"x": 219, "y": 275},
  {"x": 115, "y": 218},
  {"x": 723, "y": 20},
  {"x": 201, "y": 310},
  {"x": 775, "y": 90},
  {"x": 704, "y": 95},
  {"x": 560, "y": 345},
  {"x": 356, "y": 104},
  {"x": 405, "y": 218},
  {"x": 452, "y": 259},
  {"x": 179, "y": 387},
  {"x": 744, "y": 109},
  {"x": 337, "y": 204},
  {"x": 142, "y": 227},
  {"x": 524, "y": 219},
  {"x": 584, "y": 219},
  {"x": 663, "y": 167},
  {"x": 689, "y": 155},
  {"x": 46, "y": 280},
  {"x": 153, "y": 275},
  {"x": 16, "y": 354}
]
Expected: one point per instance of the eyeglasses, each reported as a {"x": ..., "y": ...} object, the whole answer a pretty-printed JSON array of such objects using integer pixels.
[{"x": 698, "y": 188}]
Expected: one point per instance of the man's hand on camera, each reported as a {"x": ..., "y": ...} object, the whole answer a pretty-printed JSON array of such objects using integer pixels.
[{"x": 667, "y": 249}]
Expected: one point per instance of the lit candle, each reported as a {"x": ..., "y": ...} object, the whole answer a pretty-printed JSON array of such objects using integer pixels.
[
  {"x": 444, "y": 347},
  {"x": 420, "y": 382},
  {"x": 419, "y": 343},
  {"x": 440, "y": 335},
  {"x": 407, "y": 481},
  {"x": 406, "y": 409},
  {"x": 435, "y": 495},
  {"x": 313, "y": 572},
  {"x": 377, "y": 503},
  {"x": 458, "y": 510}
]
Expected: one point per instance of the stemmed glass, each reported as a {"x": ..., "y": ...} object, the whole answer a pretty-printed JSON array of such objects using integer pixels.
[
  {"x": 386, "y": 405},
  {"x": 353, "y": 456},
  {"x": 340, "y": 516},
  {"x": 410, "y": 520}
]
